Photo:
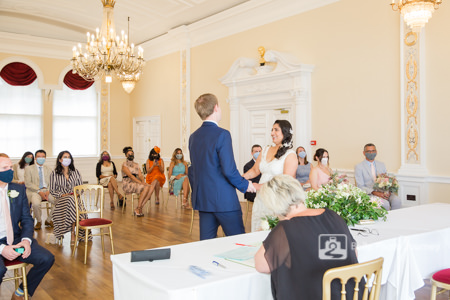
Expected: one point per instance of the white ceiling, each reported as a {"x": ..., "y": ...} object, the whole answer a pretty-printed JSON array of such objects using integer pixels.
[{"x": 70, "y": 20}]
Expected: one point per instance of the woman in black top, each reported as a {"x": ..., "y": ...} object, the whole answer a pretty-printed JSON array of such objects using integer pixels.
[
  {"x": 304, "y": 244},
  {"x": 106, "y": 173}
]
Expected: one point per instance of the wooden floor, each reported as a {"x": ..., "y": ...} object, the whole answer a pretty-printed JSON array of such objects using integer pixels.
[{"x": 70, "y": 279}]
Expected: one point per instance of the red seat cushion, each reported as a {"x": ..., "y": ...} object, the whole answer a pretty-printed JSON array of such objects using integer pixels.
[
  {"x": 95, "y": 222},
  {"x": 442, "y": 276},
  {"x": 9, "y": 263}
]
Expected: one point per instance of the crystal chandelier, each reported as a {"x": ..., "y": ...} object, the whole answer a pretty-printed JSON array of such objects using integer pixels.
[
  {"x": 416, "y": 13},
  {"x": 106, "y": 54}
]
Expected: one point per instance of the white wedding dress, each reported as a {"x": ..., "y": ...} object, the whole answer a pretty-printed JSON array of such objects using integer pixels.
[{"x": 268, "y": 170}]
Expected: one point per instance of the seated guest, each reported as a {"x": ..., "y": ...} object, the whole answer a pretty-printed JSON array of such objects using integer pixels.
[
  {"x": 256, "y": 151},
  {"x": 134, "y": 182},
  {"x": 178, "y": 170},
  {"x": 19, "y": 168},
  {"x": 321, "y": 173},
  {"x": 16, "y": 231},
  {"x": 367, "y": 171},
  {"x": 155, "y": 171},
  {"x": 106, "y": 173},
  {"x": 303, "y": 169},
  {"x": 62, "y": 181},
  {"x": 290, "y": 253},
  {"x": 37, "y": 180}
]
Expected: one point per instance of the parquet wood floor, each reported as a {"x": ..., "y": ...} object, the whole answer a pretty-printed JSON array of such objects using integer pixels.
[{"x": 70, "y": 279}]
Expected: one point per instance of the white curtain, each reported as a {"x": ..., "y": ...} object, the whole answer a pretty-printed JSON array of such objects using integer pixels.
[{"x": 20, "y": 118}]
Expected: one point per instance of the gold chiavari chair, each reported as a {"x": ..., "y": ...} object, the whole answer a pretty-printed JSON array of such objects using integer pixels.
[
  {"x": 16, "y": 265},
  {"x": 89, "y": 201}
]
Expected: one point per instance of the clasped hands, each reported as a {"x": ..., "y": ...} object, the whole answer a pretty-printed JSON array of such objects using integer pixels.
[
  {"x": 384, "y": 195},
  {"x": 253, "y": 187},
  {"x": 10, "y": 254}
]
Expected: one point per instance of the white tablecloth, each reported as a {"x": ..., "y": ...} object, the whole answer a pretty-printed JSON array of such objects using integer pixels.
[{"x": 415, "y": 242}]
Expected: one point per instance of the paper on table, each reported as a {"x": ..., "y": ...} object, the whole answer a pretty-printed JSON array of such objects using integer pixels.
[{"x": 241, "y": 253}]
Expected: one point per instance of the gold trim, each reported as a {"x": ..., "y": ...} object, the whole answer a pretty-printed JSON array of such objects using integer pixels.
[{"x": 412, "y": 43}]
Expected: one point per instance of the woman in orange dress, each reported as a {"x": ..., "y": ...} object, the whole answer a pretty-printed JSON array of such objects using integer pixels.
[{"x": 155, "y": 171}]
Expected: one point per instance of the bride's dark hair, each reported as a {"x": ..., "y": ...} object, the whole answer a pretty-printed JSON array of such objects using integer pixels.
[{"x": 286, "y": 143}]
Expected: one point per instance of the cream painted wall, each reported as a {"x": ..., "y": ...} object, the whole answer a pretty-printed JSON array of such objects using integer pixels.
[
  {"x": 121, "y": 128},
  {"x": 158, "y": 93},
  {"x": 355, "y": 86}
]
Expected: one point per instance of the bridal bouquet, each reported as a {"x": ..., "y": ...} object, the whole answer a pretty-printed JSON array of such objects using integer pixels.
[
  {"x": 386, "y": 183},
  {"x": 348, "y": 201},
  {"x": 269, "y": 222},
  {"x": 336, "y": 179}
]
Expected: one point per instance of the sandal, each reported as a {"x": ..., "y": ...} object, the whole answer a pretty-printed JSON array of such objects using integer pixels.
[
  {"x": 112, "y": 206},
  {"x": 185, "y": 204},
  {"x": 138, "y": 212}
]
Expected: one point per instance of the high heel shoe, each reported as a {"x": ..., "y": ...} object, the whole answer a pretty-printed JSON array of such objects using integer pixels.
[
  {"x": 138, "y": 212},
  {"x": 112, "y": 206},
  {"x": 185, "y": 204}
]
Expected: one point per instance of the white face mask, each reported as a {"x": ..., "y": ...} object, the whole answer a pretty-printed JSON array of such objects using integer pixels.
[
  {"x": 324, "y": 161},
  {"x": 66, "y": 162}
]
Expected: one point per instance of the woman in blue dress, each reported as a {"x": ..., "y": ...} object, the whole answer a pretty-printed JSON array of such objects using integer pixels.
[
  {"x": 178, "y": 179},
  {"x": 303, "y": 169}
]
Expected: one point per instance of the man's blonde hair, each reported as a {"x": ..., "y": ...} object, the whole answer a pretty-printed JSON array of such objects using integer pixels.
[
  {"x": 4, "y": 155},
  {"x": 279, "y": 193},
  {"x": 205, "y": 104}
]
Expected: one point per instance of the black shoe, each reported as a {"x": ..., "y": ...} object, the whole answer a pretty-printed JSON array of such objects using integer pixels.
[{"x": 120, "y": 202}]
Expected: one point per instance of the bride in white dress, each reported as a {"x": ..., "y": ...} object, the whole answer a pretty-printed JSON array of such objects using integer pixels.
[{"x": 279, "y": 158}]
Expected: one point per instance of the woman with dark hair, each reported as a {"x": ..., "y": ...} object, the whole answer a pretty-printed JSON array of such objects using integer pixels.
[
  {"x": 155, "y": 171},
  {"x": 19, "y": 168},
  {"x": 279, "y": 158},
  {"x": 303, "y": 169},
  {"x": 321, "y": 173},
  {"x": 178, "y": 171},
  {"x": 106, "y": 173},
  {"x": 134, "y": 182},
  {"x": 62, "y": 181}
]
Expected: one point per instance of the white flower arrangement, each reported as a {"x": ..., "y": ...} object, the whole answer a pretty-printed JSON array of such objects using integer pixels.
[
  {"x": 265, "y": 225},
  {"x": 13, "y": 194}
]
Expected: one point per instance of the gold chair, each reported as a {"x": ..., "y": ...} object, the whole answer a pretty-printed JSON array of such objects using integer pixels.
[
  {"x": 89, "y": 200},
  {"x": 248, "y": 209},
  {"x": 15, "y": 265},
  {"x": 440, "y": 279},
  {"x": 355, "y": 271}
]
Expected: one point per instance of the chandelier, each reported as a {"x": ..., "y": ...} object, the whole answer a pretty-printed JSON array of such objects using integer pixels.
[
  {"x": 106, "y": 54},
  {"x": 416, "y": 13}
]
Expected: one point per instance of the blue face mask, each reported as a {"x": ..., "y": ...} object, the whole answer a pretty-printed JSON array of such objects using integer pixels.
[
  {"x": 255, "y": 155},
  {"x": 7, "y": 176},
  {"x": 28, "y": 160},
  {"x": 302, "y": 154},
  {"x": 40, "y": 160}
]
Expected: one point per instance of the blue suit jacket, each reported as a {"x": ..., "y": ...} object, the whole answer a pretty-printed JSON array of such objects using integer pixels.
[
  {"x": 20, "y": 213},
  {"x": 213, "y": 174},
  {"x": 363, "y": 175}
]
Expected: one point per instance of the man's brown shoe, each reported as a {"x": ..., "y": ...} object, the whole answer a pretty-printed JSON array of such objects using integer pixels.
[
  {"x": 37, "y": 226},
  {"x": 49, "y": 223}
]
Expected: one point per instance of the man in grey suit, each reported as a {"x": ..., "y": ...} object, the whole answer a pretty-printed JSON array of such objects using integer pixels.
[
  {"x": 37, "y": 178},
  {"x": 366, "y": 173}
]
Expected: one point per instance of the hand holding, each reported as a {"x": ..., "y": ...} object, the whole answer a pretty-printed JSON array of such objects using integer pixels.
[
  {"x": 251, "y": 188},
  {"x": 257, "y": 186},
  {"x": 9, "y": 253},
  {"x": 25, "y": 244}
]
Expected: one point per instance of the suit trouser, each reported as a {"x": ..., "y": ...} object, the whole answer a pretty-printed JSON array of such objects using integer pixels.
[
  {"x": 35, "y": 200},
  {"x": 41, "y": 259},
  {"x": 231, "y": 222}
]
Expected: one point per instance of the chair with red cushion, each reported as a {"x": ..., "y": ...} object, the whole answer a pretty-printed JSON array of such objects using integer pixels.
[
  {"x": 89, "y": 202},
  {"x": 440, "y": 279},
  {"x": 15, "y": 265}
]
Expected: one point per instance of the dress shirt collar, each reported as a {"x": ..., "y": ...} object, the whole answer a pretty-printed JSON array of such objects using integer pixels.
[{"x": 211, "y": 122}]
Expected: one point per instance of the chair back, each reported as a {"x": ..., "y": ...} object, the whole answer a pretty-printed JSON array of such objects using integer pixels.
[
  {"x": 371, "y": 270},
  {"x": 88, "y": 199},
  {"x": 144, "y": 169}
]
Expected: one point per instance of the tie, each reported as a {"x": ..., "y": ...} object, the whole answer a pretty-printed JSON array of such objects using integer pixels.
[
  {"x": 41, "y": 178},
  {"x": 374, "y": 174},
  {"x": 7, "y": 215}
]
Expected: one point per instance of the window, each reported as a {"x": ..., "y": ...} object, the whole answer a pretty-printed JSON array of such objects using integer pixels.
[
  {"x": 76, "y": 121},
  {"x": 20, "y": 118}
]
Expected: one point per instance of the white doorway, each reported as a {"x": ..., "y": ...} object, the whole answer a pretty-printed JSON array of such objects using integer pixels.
[
  {"x": 146, "y": 135},
  {"x": 261, "y": 122}
]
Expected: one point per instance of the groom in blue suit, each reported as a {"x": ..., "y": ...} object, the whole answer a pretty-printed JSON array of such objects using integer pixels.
[
  {"x": 213, "y": 174},
  {"x": 14, "y": 211}
]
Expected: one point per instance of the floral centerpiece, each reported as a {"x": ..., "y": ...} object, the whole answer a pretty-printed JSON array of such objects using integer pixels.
[
  {"x": 348, "y": 201},
  {"x": 336, "y": 179},
  {"x": 385, "y": 183}
]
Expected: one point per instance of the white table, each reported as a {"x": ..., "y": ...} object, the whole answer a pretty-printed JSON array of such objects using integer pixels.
[{"x": 415, "y": 242}]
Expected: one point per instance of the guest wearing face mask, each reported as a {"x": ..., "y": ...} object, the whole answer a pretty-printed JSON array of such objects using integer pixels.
[
  {"x": 178, "y": 177},
  {"x": 367, "y": 171},
  {"x": 303, "y": 169},
  {"x": 155, "y": 171},
  {"x": 19, "y": 168},
  {"x": 62, "y": 181},
  {"x": 134, "y": 182},
  {"x": 256, "y": 151},
  {"x": 321, "y": 173},
  {"x": 106, "y": 173},
  {"x": 37, "y": 180}
]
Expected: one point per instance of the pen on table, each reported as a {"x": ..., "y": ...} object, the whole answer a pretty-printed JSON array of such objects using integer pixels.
[
  {"x": 218, "y": 264},
  {"x": 245, "y": 245}
]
